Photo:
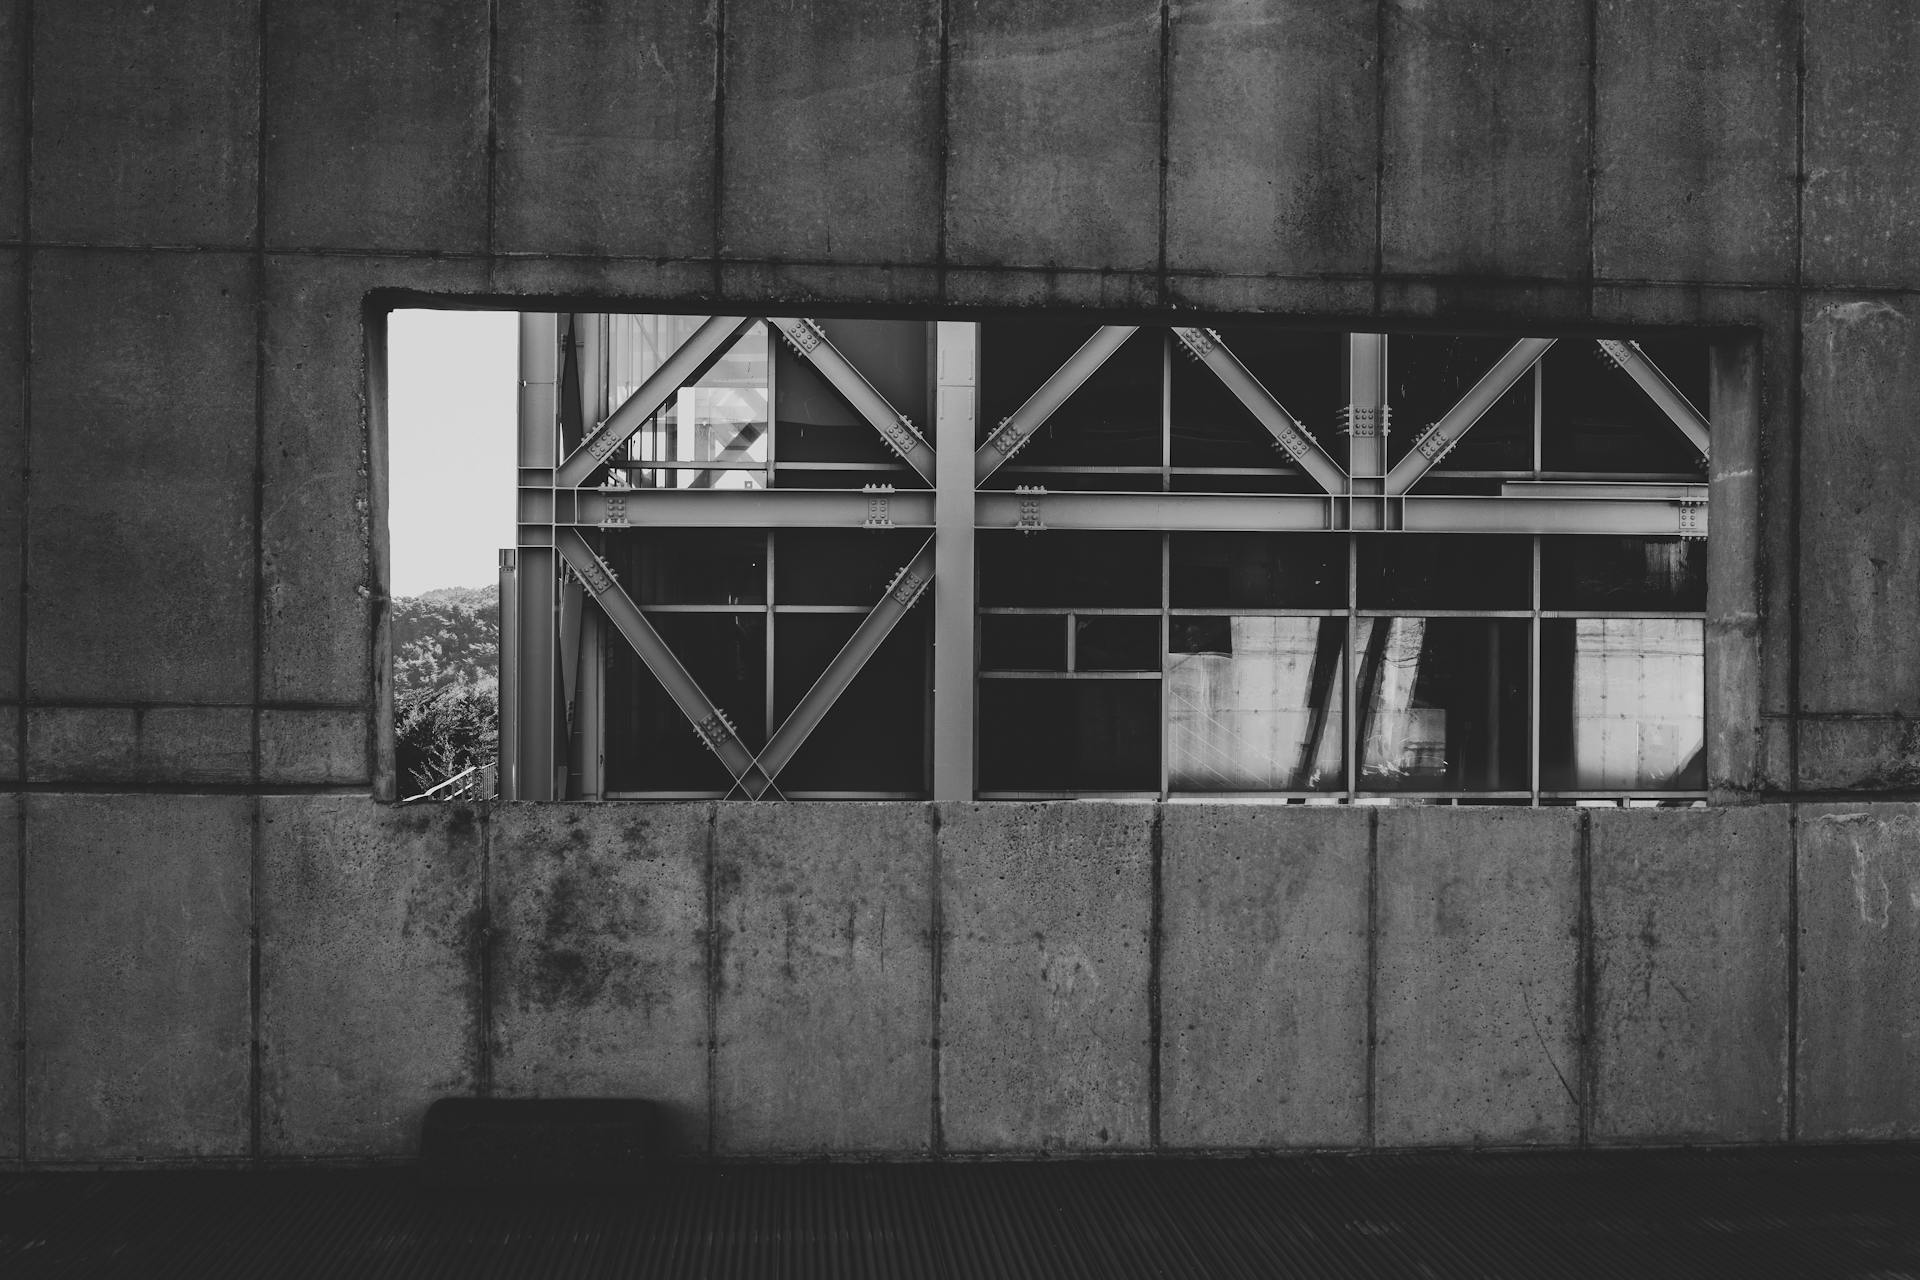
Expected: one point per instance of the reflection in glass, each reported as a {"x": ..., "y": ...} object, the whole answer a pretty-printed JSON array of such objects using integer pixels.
[
  {"x": 1259, "y": 570},
  {"x": 1443, "y": 704},
  {"x": 1624, "y": 704},
  {"x": 1444, "y": 571},
  {"x": 719, "y": 418},
  {"x": 1623, "y": 573},
  {"x": 1253, "y": 704},
  {"x": 817, "y": 424}
]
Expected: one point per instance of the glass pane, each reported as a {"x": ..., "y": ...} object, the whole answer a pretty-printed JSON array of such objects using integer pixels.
[
  {"x": 1258, "y": 571},
  {"x": 840, "y": 566},
  {"x": 650, "y": 745},
  {"x": 1596, "y": 418},
  {"x": 1622, "y": 704},
  {"x": 1070, "y": 735},
  {"x": 816, "y": 424},
  {"x": 1427, "y": 374},
  {"x": 1445, "y": 571},
  {"x": 1068, "y": 569},
  {"x": 1113, "y": 419},
  {"x": 1623, "y": 573},
  {"x": 1022, "y": 642},
  {"x": 1253, "y": 704},
  {"x": 1116, "y": 644},
  {"x": 1443, "y": 704},
  {"x": 721, "y": 417},
  {"x": 691, "y": 566},
  {"x": 875, "y": 736}
]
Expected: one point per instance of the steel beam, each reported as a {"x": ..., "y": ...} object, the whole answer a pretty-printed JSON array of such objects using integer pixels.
[
  {"x": 874, "y": 507},
  {"x": 692, "y": 358},
  {"x": 1286, "y": 430},
  {"x": 957, "y": 359},
  {"x": 1672, "y": 402},
  {"x": 509, "y": 621},
  {"x": 1444, "y": 434},
  {"x": 715, "y": 731},
  {"x": 896, "y": 430},
  {"x": 1034, "y": 510},
  {"x": 1019, "y": 427},
  {"x": 873, "y": 630},
  {"x": 1367, "y": 413}
]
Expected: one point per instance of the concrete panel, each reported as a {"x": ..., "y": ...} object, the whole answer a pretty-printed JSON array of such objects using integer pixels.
[
  {"x": 630, "y": 282},
  {"x": 1337, "y": 301},
  {"x": 832, "y": 127},
  {"x": 12, "y": 1034},
  {"x": 369, "y": 971},
  {"x": 13, "y": 459},
  {"x": 1861, "y": 206},
  {"x": 604, "y": 115},
  {"x": 195, "y": 744},
  {"x": 146, "y": 122},
  {"x": 1482, "y": 303},
  {"x": 1263, "y": 989},
  {"x": 1690, "y": 913},
  {"x": 1694, "y": 147},
  {"x": 599, "y": 955},
  {"x": 12, "y": 747},
  {"x": 1272, "y": 136},
  {"x": 1859, "y": 550},
  {"x": 1053, "y": 134},
  {"x": 1873, "y": 753},
  {"x": 81, "y": 744},
  {"x": 1486, "y": 138},
  {"x": 316, "y": 513},
  {"x": 1859, "y": 997},
  {"x": 1475, "y": 1003},
  {"x": 775, "y": 284},
  {"x": 138, "y": 1008},
  {"x": 13, "y": 119},
  {"x": 824, "y": 984},
  {"x": 1044, "y": 1035},
  {"x": 1051, "y": 289},
  {"x": 140, "y": 492},
  {"x": 376, "y": 121},
  {"x": 317, "y": 748}
]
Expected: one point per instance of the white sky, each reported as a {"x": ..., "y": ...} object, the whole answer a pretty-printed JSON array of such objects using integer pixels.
[{"x": 452, "y": 394}]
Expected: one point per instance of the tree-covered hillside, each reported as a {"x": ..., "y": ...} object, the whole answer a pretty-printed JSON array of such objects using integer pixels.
[{"x": 446, "y": 665}]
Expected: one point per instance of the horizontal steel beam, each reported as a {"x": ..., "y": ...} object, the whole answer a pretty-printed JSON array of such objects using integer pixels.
[
  {"x": 1286, "y": 430},
  {"x": 876, "y": 507},
  {"x": 1019, "y": 427},
  {"x": 715, "y": 730},
  {"x": 1034, "y": 511},
  {"x": 1444, "y": 434},
  {"x": 1664, "y": 490},
  {"x": 1672, "y": 402},
  {"x": 690, "y": 360},
  {"x": 896, "y": 430},
  {"x": 906, "y": 588}
]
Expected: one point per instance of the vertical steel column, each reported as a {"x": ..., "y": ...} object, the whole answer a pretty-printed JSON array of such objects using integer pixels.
[
  {"x": 582, "y": 635},
  {"x": 957, "y": 407},
  {"x": 536, "y": 678},
  {"x": 509, "y": 694},
  {"x": 1366, "y": 479}
]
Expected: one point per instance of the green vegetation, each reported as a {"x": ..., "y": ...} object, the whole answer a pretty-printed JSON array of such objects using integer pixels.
[{"x": 446, "y": 683}]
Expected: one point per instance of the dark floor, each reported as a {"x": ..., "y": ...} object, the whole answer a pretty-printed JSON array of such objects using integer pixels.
[{"x": 1802, "y": 1212}]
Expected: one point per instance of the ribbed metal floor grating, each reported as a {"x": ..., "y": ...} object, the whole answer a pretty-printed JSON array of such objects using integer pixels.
[{"x": 1851, "y": 1212}]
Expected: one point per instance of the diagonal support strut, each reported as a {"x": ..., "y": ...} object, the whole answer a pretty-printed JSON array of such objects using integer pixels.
[
  {"x": 1286, "y": 430},
  {"x": 896, "y": 430},
  {"x": 1444, "y": 434},
  {"x": 1067, "y": 379},
  {"x": 1662, "y": 392}
]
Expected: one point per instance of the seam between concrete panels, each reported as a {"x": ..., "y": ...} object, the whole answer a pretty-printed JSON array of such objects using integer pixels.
[
  {"x": 936, "y": 928},
  {"x": 718, "y": 177},
  {"x": 1790, "y": 1116},
  {"x": 1371, "y": 1137},
  {"x": 493, "y": 122},
  {"x": 941, "y": 143},
  {"x": 1156, "y": 929},
  {"x": 255, "y": 1074},
  {"x": 1586, "y": 975},
  {"x": 713, "y": 981},
  {"x": 1166, "y": 98},
  {"x": 1591, "y": 268}
]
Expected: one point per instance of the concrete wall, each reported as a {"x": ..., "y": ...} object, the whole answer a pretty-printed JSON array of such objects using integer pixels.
[{"x": 205, "y": 206}]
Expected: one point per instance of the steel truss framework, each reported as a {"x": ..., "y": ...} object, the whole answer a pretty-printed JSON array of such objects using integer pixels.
[{"x": 559, "y": 597}]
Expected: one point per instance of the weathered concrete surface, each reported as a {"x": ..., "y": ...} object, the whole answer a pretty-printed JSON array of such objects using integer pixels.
[
  {"x": 1859, "y": 549},
  {"x": 137, "y": 1016},
  {"x": 12, "y": 1034},
  {"x": 1053, "y": 134},
  {"x": 1044, "y": 1033},
  {"x": 599, "y": 955},
  {"x": 13, "y": 458},
  {"x": 823, "y": 987},
  {"x": 1694, "y": 147},
  {"x": 145, "y": 122},
  {"x": 832, "y": 124},
  {"x": 1862, "y": 199},
  {"x": 127, "y": 744},
  {"x": 317, "y": 521},
  {"x": 10, "y": 734},
  {"x": 1690, "y": 913},
  {"x": 13, "y": 112},
  {"x": 369, "y": 971},
  {"x": 376, "y": 118},
  {"x": 140, "y": 494},
  {"x": 1263, "y": 988},
  {"x": 1334, "y": 299},
  {"x": 1486, "y": 138},
  {"x": 1271, "y": 136},
  {"x": 1877, "y": 753},
  {"x": 1859, "y": 997},
  {"x": 1475, "y": 1002},
  {"x": 604, "y": 115},
  {"x": 319, "y": 748}
]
